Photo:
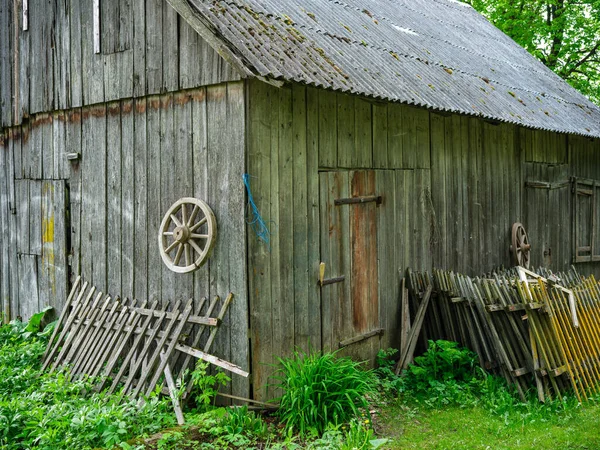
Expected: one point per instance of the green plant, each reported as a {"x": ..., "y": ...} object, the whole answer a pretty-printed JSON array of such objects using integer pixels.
[
  {"x": 390, "y": 383},
  {"x": 169, "y": 440},
  {"x": 47, "y": 411},
  {"x": 240, "y": 420},
  {"x": 205, "y": 385},
  {"x": 320, "y": 389}
]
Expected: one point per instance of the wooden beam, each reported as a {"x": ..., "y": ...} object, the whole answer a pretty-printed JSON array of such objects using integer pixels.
[{"x": 362, "y": 337}]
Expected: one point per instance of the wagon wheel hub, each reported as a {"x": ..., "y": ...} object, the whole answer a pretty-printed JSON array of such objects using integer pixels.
[
  {"x": 187, "y": 234},
  {"x": 181, "y": 234}
]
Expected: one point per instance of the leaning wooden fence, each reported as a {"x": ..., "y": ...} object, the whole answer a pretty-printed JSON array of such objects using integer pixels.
[
  {"x": 536, "y": 331},
  {"x": 131, "y": 345}
]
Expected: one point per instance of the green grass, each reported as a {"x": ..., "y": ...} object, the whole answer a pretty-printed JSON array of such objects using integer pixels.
[{"x": 476, "y": 428}]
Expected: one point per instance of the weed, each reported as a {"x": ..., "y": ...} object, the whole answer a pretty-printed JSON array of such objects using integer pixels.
[
  {"x": 206, "y": 385},
  {"x": 320, "y": 389}
]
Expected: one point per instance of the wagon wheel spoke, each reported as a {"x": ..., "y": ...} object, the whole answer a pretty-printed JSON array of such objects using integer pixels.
[
  {"x": 176, "y": 220},
  {"x": 178, "y": 255},
  {"x": 170, "y": 248},
  {"x": 183, "y": 214},
  {"x": 199, "y": 236},
  {"x": 198, "y": 225},
  {"x": 196, "y": 247},
  {"x": 167, "y": 233},
  {"x": 193, "y": 216},
  {"x": 188, "y": 256}
]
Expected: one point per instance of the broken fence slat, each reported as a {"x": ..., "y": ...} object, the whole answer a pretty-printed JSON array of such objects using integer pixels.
[{"x": 212, "y": 359}]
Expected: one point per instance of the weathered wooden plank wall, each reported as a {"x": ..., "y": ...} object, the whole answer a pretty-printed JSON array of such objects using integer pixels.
[
  {"x": 294, "y": 134},
  {"x": 137, "y": 157},
  {"x": 451, "y": 189},
  {"x": 145, "y": 49}
]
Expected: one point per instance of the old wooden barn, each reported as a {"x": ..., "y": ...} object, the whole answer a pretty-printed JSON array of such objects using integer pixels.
[{"x": 376, "y": 136}]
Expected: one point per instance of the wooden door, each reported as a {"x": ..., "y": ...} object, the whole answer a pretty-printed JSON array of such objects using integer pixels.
[{"x": 349, "y": 291}]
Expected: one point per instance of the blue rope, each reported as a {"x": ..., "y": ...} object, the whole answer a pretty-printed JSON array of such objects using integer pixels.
[{"x": 254, "y": 219}]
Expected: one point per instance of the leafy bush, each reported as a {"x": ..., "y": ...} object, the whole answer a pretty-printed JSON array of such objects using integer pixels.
[
  {"x": 320, "y": 389},
  {"x": 47, "y": 411}
]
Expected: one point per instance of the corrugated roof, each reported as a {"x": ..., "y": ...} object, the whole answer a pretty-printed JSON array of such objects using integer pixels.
[{"x": 439, "y": 54}]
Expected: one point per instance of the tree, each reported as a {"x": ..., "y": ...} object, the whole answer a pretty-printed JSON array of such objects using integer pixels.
[{"x": 563, "y": 34}]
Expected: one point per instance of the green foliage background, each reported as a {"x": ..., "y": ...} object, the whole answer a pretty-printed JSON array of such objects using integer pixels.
[{"x": 563, "y": 34}]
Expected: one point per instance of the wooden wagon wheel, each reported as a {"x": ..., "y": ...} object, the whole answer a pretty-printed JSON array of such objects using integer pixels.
[
  {"x": 186, "y": 235},
  {"x": 520, "y": 247}
]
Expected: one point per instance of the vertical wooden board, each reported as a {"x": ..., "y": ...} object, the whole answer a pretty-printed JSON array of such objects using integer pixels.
[
  {"x": 462, "y": 161},
  {"x": 47, "y": 146},
  {"x": 52, "y": 269},
  {"x": 139, "y": 49},
  {"x": 190, "y": 54},
  {"x": 11, "y": 218},
  {"x": 283, "y": 322},
  {"x": 487, "y": 198},
  {"x": 259, "y": 169},
  {"x": 24, "y": 71},
  {"x": 32, "y": 159},
  {"x": 28, "y": 276},
  {"x": 404, "y": 191},
  {"x": 92, "y": 63},
  {"x": 59, "y": 129},
  {"x": 200, "y": 178},
  {"x": 140, "y": 169},
  {"x": 154, "y": 206},
  {"x": 438, "y": 189},
  {"x": 328, "y": 135},
  {"x": 168, "y": 186},
  {"x": 75, "y": 43},
  {"x": 45, "y": 263},
  {"x": 62, "y": 53},
  {"x": 475, "y": 188},
  {"x": 118, "y": 75},
  {"x": 128, "y": 200},
  {"x": 22, "y": 193},
  {"x": 422, "y": 138},
  {"x": 37, "y": 48},
  {"x": 409, "y": 137},
  {"x": 299, "y": 213},
  {"x": 380, "y": 136},
  {"x": 238, "y": 311},
  {"x": 183, "y": 169},
  {"x": 154, "y": 46},
  {"x": 337, "y": 248},
  {"x": 35, "y": 217},
  {"x": 363, "y": 245},
  {"x": 94, "y": 202},
  {"x": 327, "y": 293},
  {"x": 170, "y": 49},
  {"x": 4, "y": 230},
  {"x": 73, "y": 145},
  {"x": 425, "y": 216},
  {"x": 6, "y": 63},
  {"x": 114, "y": 212},
  {"x": 346, "y": 145},
  {"x": 20, "y": 135},
  {"x": 363, "y": 133},
  {"x": 395, "y": 135},
  {"x": 313, "y": 230},
  {"x": 451, "y": 193},
  {"x": 387, "y": 247}
]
